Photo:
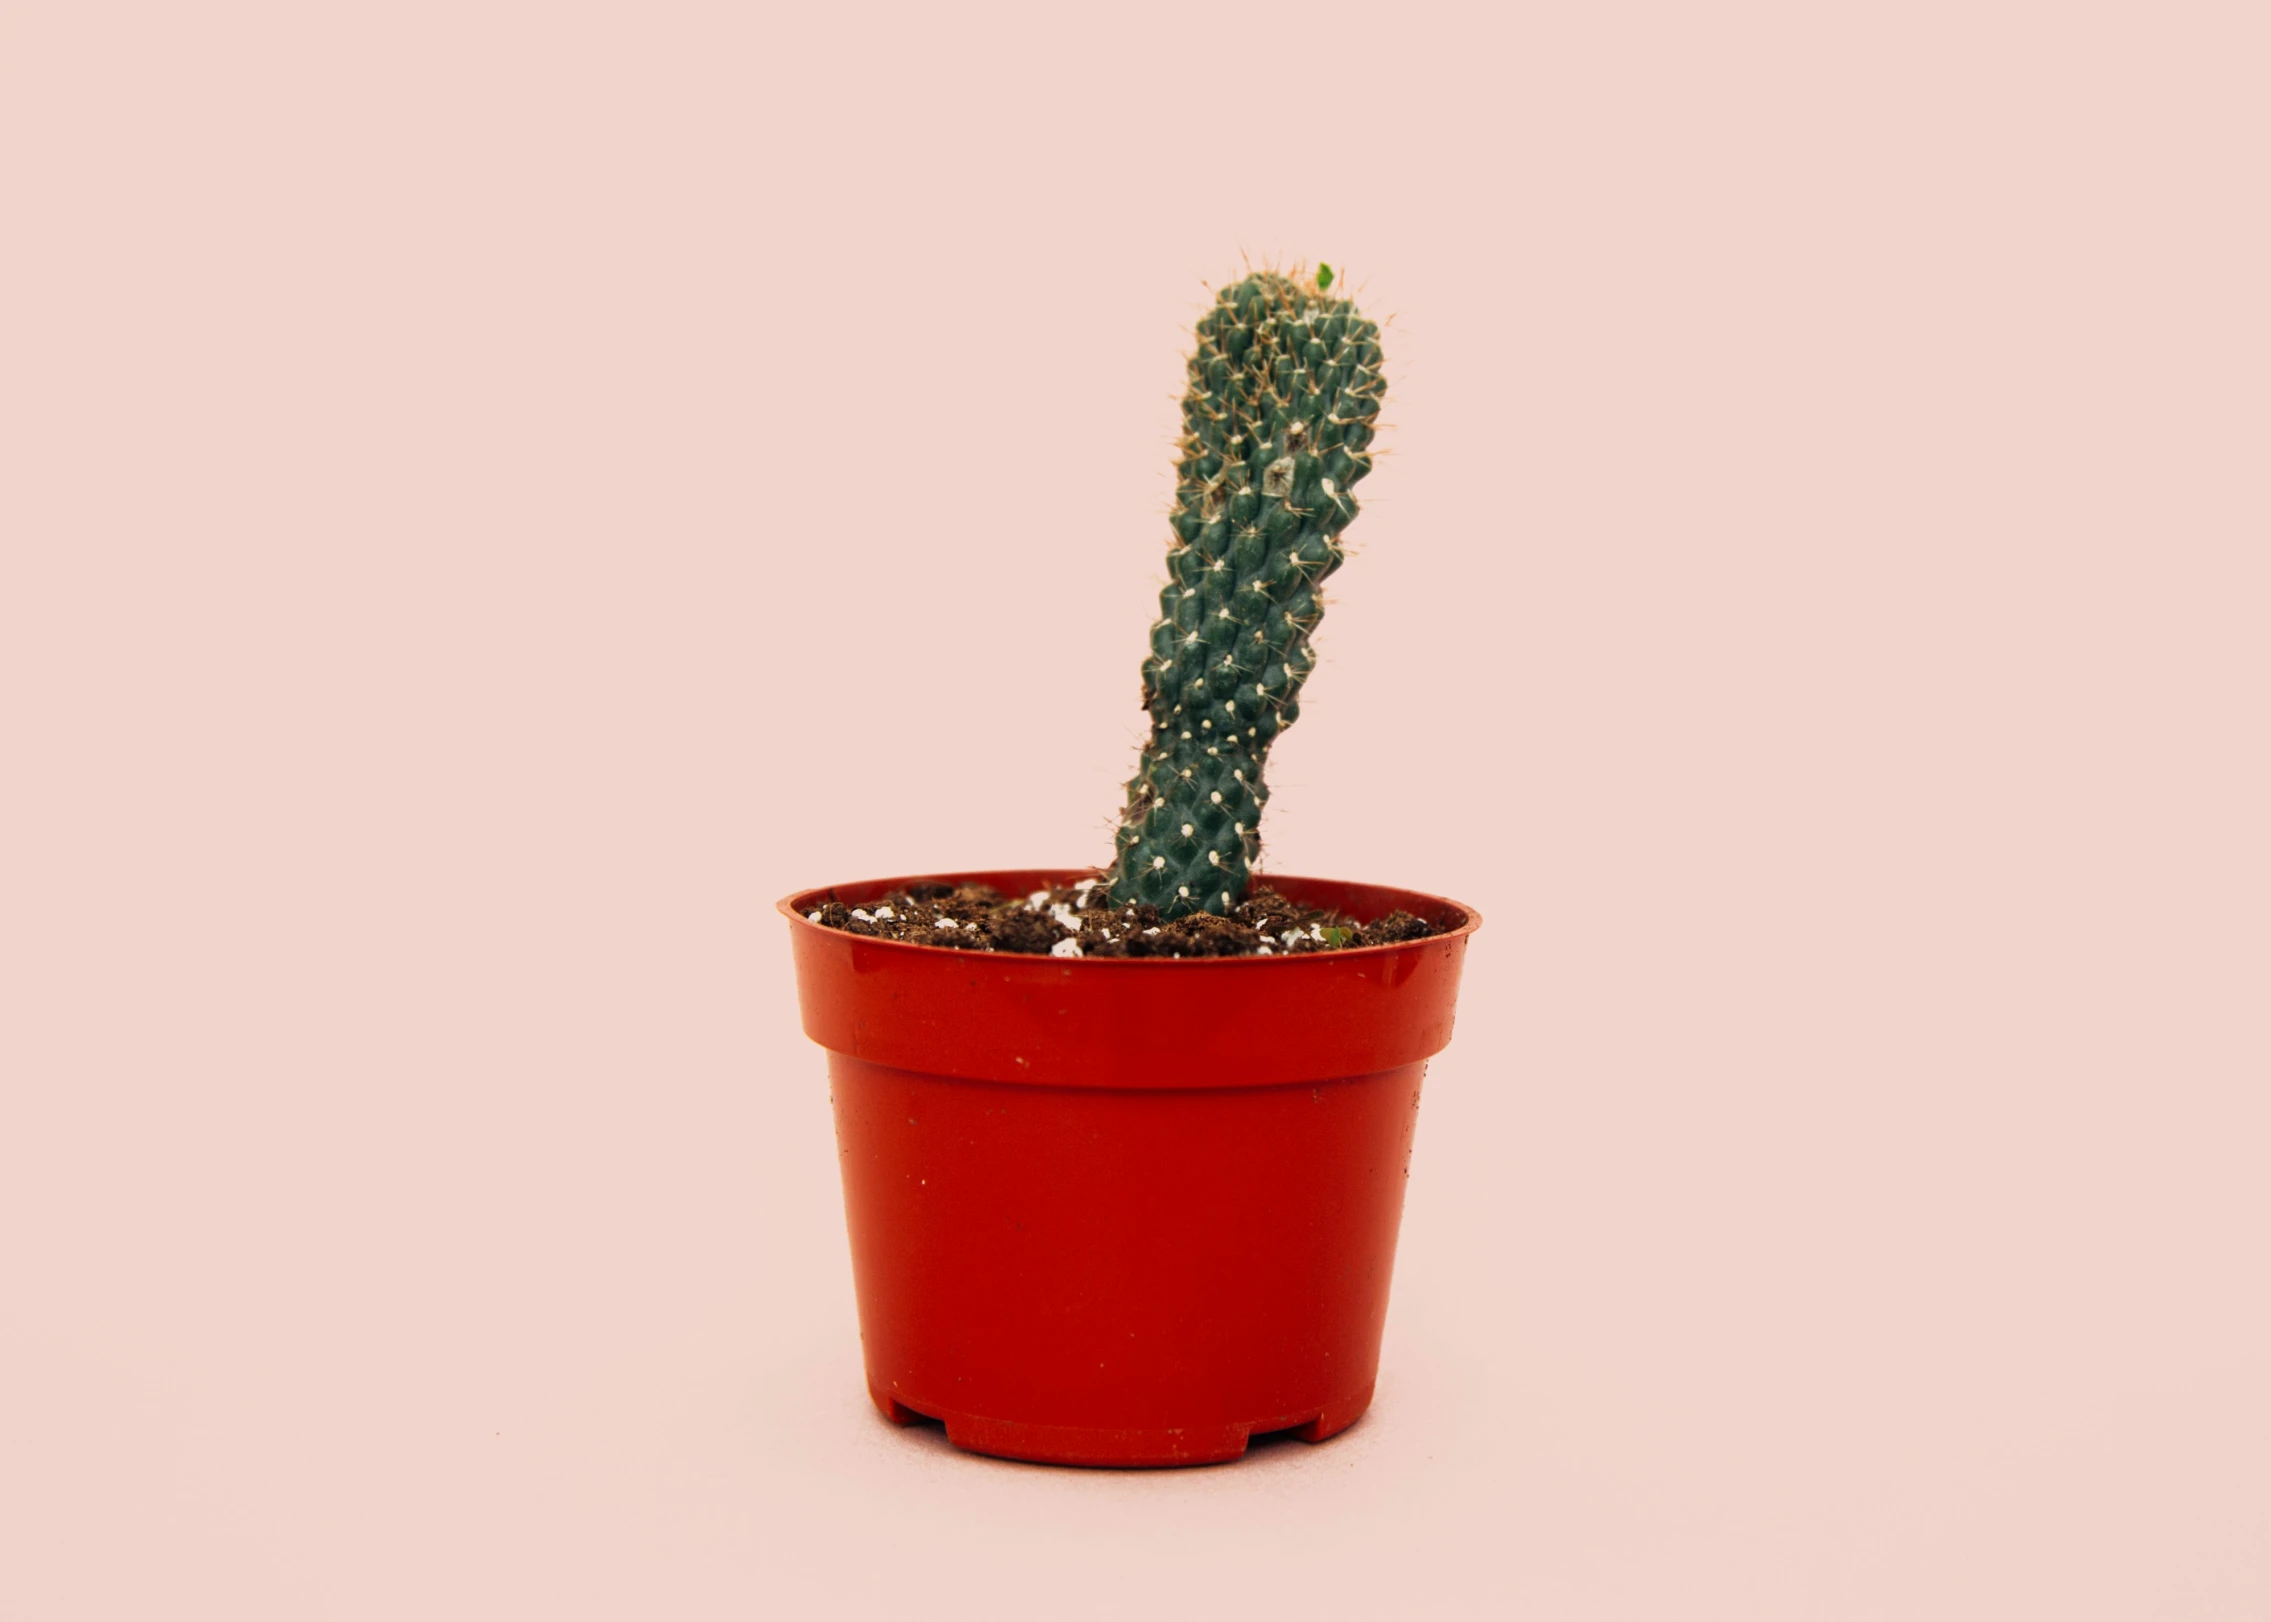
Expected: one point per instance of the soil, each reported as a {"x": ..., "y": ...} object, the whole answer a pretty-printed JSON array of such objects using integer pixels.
[{"x": 1080, "y": 921}]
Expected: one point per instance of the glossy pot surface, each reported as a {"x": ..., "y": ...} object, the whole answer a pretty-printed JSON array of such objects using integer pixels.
[{"x": 1124, "y": 1211}]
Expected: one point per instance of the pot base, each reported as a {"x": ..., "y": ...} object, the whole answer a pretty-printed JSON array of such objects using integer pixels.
[{"x": 1109, "y": 1448}]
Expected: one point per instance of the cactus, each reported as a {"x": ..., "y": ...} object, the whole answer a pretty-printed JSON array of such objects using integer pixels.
[{"x": 1284, "y": 391}]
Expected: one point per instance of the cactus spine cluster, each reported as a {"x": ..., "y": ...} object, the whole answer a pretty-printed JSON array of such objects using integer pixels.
[{"x": 1284, "y": 394}]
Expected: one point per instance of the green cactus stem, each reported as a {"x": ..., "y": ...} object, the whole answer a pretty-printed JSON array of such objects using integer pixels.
[{"x": 1284, "y": 394}]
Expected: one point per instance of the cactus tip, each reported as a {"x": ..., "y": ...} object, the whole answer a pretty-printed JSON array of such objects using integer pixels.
[{"x": 1324, "y": 275}]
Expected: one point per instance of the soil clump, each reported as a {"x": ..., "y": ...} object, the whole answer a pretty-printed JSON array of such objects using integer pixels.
[{"x": 1080, "y": 920}]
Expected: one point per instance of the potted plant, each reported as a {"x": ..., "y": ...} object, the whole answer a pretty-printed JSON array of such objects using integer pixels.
[{"x": 1124, "y": 1150}]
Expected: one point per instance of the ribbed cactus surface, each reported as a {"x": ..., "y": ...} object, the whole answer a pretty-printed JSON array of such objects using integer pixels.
[{"x": 1283, "y": 399}]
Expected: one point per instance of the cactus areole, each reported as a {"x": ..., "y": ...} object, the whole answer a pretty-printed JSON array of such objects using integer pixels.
[{"x": 1283, "y": 399}]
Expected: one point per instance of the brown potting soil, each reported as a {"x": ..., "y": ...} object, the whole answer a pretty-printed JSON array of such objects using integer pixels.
[{"x": 976, "y": 918}]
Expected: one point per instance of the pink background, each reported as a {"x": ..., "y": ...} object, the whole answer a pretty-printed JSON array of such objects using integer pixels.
[{"x": 494, "y": 495}]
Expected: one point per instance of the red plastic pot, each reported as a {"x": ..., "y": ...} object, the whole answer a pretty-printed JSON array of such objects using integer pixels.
[{"x": 1124, "y": 1211}]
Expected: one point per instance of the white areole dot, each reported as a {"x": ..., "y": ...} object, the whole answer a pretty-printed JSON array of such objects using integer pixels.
[
  {"x": 1215, "y": 799},
  {"x": 1183, "y": 890},
  {"x": 1214, "y": 858},
  {"x": 1186, "y": 830},
  {"x": 1158, "y": 862}
]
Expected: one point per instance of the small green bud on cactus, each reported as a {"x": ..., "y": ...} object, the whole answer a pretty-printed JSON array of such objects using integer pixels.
[{"x": 1284, "y": 393}]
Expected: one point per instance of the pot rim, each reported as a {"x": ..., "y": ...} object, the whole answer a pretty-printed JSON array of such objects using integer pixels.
[{"x": 1439, "y": 911}]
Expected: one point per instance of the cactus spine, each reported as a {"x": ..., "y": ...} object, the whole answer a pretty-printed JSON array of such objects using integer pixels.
[{"x": 1284, "y": 393}]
